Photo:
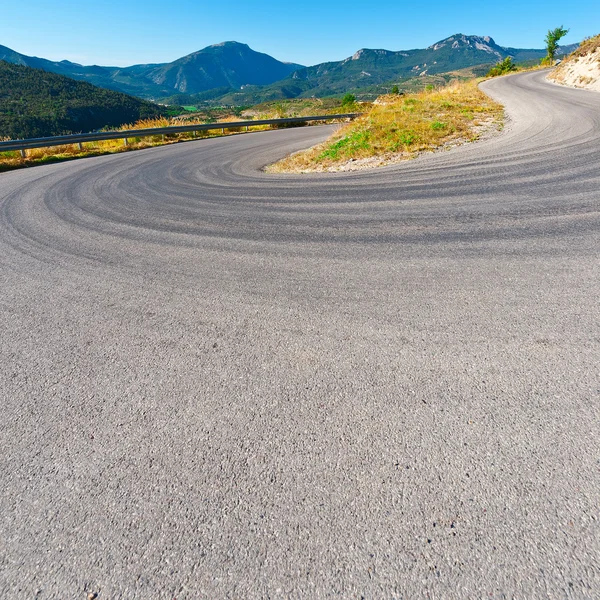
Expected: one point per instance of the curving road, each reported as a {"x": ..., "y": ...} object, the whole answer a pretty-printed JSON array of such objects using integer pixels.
[{"x": 221, "y": 383}]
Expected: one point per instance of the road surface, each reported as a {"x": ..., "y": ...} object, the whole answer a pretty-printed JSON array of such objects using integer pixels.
[{"x": 218, "y": 383}]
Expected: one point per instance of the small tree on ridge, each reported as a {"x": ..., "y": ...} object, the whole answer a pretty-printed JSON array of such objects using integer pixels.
[{"x": 552, "y": 38}]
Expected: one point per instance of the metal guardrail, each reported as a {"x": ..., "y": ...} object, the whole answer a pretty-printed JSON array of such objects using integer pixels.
[{"x": 80, "y": 138}]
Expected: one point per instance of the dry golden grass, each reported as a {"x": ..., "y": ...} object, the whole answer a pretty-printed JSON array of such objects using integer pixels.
[
  {"x": 402, "y": 126},
  {"x": 588, "y": 46},
  {"x": 234, "y": 119},
  {"x": 36, "y": 156}
]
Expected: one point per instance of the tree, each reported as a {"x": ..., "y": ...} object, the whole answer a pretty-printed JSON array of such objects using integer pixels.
[
  {"x": 504, "y": 66},
  {"x": 395, "y": 90},
  {"x": 348, "y": 100},
  {"x": 552, "y": 38}
]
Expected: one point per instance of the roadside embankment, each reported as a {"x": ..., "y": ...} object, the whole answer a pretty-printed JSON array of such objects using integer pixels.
[
  {"x": 581, "y": 69},
  {"x": 400, "y": 127}
]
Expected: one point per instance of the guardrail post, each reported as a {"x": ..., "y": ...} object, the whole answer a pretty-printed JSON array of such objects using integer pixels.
[
  {"x": 125, "y": 142},
  {"x": 80, "y": 145},
  {"x": 222, "y": 130},
  {"x": 246, "y": 127},
  {"x": 23, "y": 154}
]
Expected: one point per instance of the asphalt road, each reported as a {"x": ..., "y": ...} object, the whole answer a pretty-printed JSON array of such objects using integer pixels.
[{"x": 218, "y": 383}]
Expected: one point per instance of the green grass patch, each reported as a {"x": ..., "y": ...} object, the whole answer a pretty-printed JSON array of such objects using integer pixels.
[
  {"x": 347, "y": 146},
  {"x": 404, "y": 125}
]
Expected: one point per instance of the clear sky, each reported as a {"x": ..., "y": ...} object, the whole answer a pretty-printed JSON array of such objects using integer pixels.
[{"x": 126, "y": 32}]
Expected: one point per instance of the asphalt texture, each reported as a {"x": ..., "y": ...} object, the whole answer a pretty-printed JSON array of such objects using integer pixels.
[{"x": 219, "y": 383}]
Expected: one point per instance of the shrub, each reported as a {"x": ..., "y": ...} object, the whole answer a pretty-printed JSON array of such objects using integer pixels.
[
  {"x": 280, "y": 112},
  {"x": 348, "y": 101},
  {"x": 407, "y": 138},
  {"x": 504, "y": 66}
]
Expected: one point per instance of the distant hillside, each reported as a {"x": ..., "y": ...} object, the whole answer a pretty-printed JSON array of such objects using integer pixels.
[
  {"x": 100, "y": 76},
  {"x": 229, "y": 65},
  {"x": 35, "y": 103}
]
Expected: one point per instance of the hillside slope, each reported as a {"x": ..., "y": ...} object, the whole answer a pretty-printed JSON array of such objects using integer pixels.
[
  {"x": 228, "y": 64},
  {"x": 581, "y": 68},
  {"x": 35, "y": 103},
  {"x": 94, "y": 74}
]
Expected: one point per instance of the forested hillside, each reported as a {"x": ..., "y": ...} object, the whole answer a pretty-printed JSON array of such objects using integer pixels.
[{"x": 35, "y": 103}]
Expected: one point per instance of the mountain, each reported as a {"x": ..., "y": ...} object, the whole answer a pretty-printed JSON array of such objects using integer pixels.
[
  {"x": 367, "y": 68},
  {"x": 233, "y": 73},
  {"x": 229, "y": 65},
  {"x": 35, "y": 103},
  {"x": 372, "y": 69}
]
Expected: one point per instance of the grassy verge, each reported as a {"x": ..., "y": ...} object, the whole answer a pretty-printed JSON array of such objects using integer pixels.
[
  {"x": 401, "y": 127},
  {"x": 39, "y": 156}
]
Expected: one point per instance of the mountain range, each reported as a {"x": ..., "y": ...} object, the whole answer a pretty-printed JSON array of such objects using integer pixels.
[
  {"x": 368, "y": 67},
  {"x": 235, "y": 73},
  {"x": 228, "y": 65}
]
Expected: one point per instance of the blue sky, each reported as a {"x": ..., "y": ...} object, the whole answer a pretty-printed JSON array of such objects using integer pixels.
[{"x": 306, "y": 32}]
